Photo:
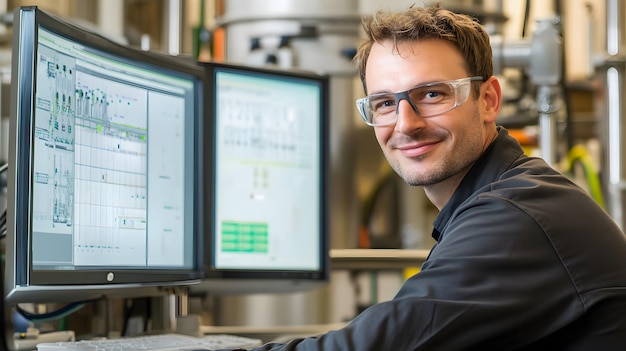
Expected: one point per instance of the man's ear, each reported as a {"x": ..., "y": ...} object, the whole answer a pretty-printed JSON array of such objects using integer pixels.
[{"x": 490, "y": 99}]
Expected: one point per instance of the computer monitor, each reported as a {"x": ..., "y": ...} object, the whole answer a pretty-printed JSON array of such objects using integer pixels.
[
  {"x": 105, "y": 166},
  {"x": 267, "y": 204}
]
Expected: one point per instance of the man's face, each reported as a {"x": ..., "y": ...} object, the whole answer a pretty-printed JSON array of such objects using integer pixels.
[{"x": 431, "y": 150}]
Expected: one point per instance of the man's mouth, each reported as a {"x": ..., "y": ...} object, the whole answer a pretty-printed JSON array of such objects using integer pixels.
[{"x": 417, "y": 149}]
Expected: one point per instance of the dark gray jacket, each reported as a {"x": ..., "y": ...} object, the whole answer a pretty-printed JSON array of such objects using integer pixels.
[{"x": 524, "y": 260}]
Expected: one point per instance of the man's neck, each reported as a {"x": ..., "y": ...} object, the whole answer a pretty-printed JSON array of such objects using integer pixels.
[{"x": 439, "y": 194}]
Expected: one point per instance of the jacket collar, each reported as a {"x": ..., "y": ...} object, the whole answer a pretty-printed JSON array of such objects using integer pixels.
[{"x": 503, "y": 152}]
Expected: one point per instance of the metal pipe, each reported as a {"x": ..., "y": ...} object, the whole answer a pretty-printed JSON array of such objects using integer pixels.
[
  {"x": 612, "y": 71},
  {"x": 614, "y": 124},
  {"x": 547, "y": 124},
  {"x": 510, "y": 54},
  {"x": 173, "y": 26},
  {"x": 111, "y": 17},
  {"x": 613, "y": 26}
]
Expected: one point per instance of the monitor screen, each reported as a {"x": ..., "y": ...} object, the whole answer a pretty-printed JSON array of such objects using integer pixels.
[
  {"x": 268, "y": 197},
  {"x": 104, "y": 166}
]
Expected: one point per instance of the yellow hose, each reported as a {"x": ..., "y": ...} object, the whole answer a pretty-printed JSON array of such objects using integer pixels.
[{"x": 579, "y": 153}]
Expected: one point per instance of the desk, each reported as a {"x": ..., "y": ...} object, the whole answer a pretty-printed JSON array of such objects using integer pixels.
[
  {"x": 377, "y": 274},
  {"x": 355, "y": 261},
  {"x": 376, "y": 259}
]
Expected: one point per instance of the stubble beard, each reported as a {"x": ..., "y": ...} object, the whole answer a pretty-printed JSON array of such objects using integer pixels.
[
  {"x": 456, "y": 162},
  {"x": 443, "y": 171}
]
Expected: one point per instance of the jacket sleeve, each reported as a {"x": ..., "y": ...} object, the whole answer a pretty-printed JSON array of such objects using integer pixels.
[{"x": 479, "y": 288}]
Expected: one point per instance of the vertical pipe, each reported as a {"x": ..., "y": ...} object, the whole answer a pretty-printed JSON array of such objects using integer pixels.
[
  {"x": 614, "y": 124},
  {"x": 591, "y": 33},
  {"x": 545, "y": 71},
  {"x": 173, "y": 26},
  {"x": 613, "y": 24},
  {"x": 111, "y": 17},
  {"x": 547, "y": 141},
  {"x": 612, "y": 72}
]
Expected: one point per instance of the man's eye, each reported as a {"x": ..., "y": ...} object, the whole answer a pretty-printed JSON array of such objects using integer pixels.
[
  {"x": 431, "y": 95},
  {"x": 383, "y": 104}
]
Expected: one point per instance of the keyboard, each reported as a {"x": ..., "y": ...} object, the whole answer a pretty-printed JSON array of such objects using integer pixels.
[{"x": 158, "y": 342}]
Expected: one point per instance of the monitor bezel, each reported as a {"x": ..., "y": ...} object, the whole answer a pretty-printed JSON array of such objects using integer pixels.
[
  {"x": 22, "y": 284},
  {"x": 245, "y": 281}
]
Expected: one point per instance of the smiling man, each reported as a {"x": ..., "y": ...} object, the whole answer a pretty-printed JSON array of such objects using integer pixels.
[
  {"x": 437, "y": 150},
  {"x": 524, "y": 259}
]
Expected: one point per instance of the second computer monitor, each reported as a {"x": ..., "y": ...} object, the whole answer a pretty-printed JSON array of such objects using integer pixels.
[{"x": 267, "y": 203}]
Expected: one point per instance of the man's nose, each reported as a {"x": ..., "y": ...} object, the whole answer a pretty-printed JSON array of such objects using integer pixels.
[{"x": 408, "y": 117}]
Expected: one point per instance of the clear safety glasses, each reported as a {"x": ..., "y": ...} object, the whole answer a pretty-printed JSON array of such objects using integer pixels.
[{"x": 427, "y": 100}]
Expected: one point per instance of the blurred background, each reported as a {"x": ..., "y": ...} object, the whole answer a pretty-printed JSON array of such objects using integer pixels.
[{"x": 558, "y": 62}]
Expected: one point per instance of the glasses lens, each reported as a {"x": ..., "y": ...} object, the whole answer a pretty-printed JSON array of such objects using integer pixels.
[
  {"x": 377, "y": 109},
  {"x": 433, "y": 99},
  {"x": 382, "y": 108}
]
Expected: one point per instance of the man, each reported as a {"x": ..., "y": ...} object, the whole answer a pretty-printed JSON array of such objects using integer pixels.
[{"x": 525, "y": 259}]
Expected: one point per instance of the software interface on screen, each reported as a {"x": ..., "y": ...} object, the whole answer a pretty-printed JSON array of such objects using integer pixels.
[
  {"x": 267, "y": 182},
  {"x": 108, "y": 168}
]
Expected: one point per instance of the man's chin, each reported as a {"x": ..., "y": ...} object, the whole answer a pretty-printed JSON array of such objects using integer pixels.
[{"x": 415, "y": 179}]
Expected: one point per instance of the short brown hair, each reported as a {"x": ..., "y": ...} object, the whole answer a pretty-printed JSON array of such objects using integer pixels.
[{"x": 434, "y": 22}]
